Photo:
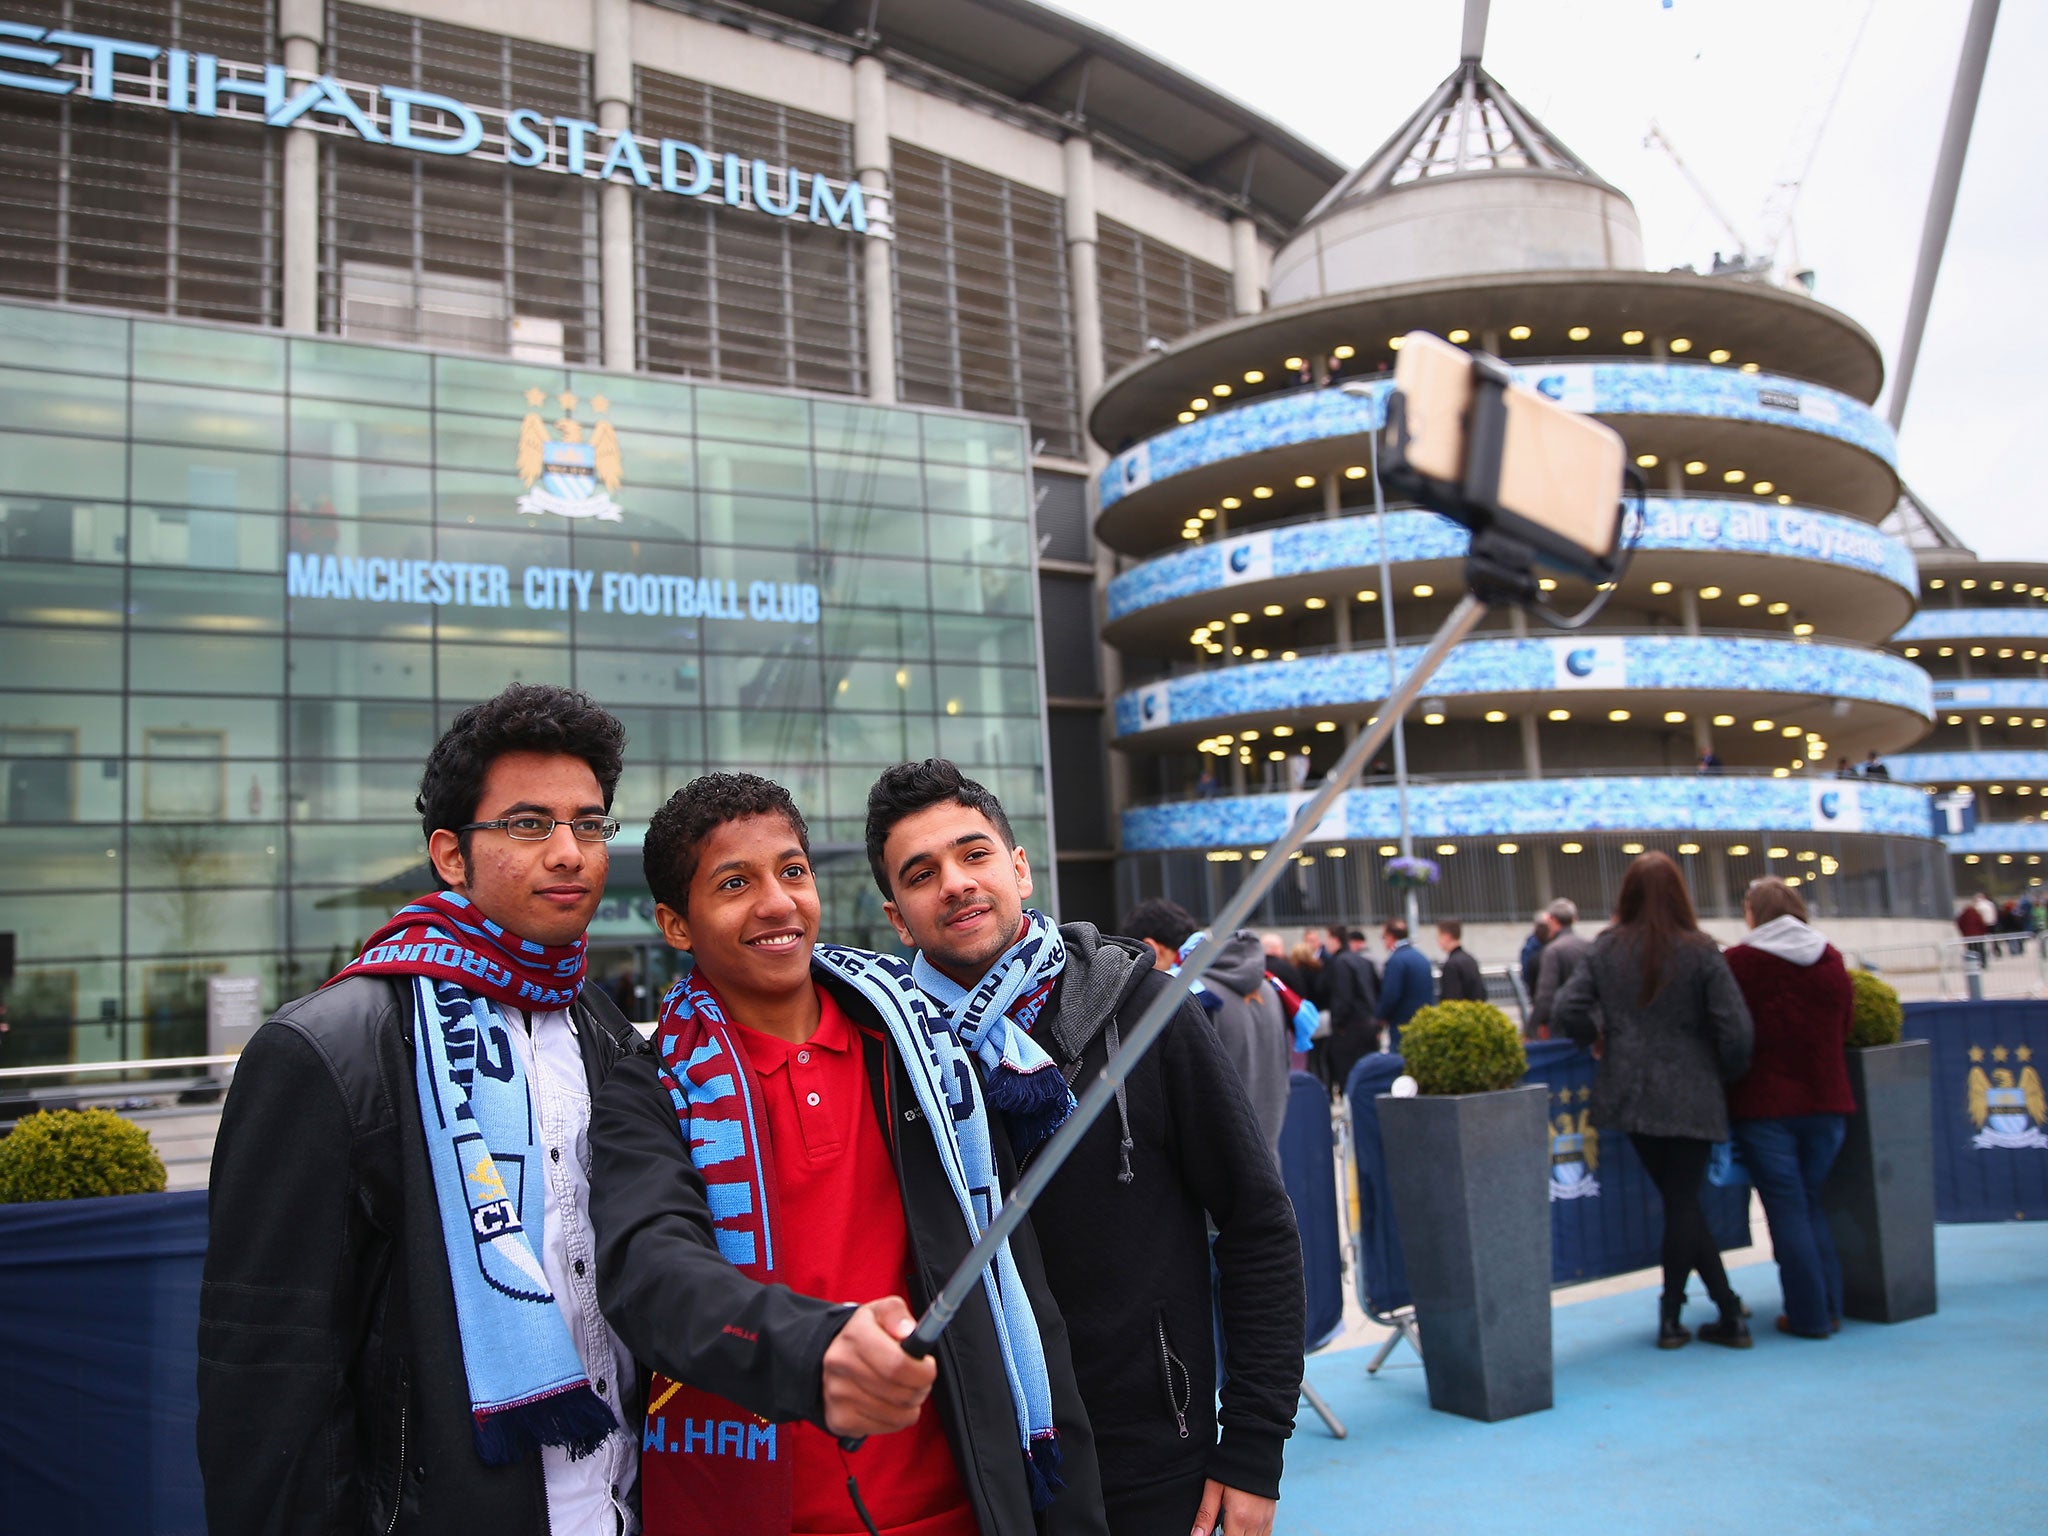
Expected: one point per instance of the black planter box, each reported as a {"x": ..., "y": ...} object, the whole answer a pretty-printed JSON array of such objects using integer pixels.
[
  {"x": 1470, "y": 1178},
  {"x": 1880, "y": 1197}
]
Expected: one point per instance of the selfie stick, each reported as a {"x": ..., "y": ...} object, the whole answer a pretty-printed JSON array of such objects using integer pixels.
[
  {"x": 1152, "y": 1023},
  {"x": 1498, "y": 570}
]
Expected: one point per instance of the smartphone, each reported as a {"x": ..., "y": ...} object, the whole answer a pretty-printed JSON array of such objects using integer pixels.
[{"x": 1560, "y": 472}]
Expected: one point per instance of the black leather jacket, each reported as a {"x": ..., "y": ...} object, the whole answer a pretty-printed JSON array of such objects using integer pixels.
[
  {"x": 686, "y": 1312},
  {"x": 332, "y": 1396}
]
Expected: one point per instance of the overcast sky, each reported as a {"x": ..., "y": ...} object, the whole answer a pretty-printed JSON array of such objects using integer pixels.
[{"x": 1740, "y": 88}]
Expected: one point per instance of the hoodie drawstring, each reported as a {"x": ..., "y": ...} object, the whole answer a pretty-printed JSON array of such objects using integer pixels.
[{"x": 1123, "y": 1109}]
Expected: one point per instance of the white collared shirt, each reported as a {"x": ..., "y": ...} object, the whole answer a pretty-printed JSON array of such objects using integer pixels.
[{"x": 593, "y": 1496}]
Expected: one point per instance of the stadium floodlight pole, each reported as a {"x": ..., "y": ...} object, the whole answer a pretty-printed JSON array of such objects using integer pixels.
[
  {"x": 1941, "y": 197},
  {"x": 1152, "y": 1023}
]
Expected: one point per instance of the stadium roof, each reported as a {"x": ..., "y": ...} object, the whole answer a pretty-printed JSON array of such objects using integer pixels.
[
  {"x": 1468, "y": 126},
  {"x": 1924, "y": 533},
  {"x": 1055, "y": 65}
]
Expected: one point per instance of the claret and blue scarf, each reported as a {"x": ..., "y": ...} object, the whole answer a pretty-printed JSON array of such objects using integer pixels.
[
  {"x": 527, "y": 1387},
  {"x": 718, "y": 1106}
]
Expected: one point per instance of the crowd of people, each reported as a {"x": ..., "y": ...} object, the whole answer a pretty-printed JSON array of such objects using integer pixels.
[
  {"x": 1698, "y": 1047},
  {"x": 1992, "y": 928}
]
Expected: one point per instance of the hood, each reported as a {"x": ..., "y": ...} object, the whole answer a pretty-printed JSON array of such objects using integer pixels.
[
  {"x": 1241, "y": 966},
  {"x": 1788, "y": 939},
  {"x": 1100, "y": 971}
]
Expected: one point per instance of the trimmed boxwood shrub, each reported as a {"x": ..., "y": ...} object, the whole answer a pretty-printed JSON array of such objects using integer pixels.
[
  {"x": 75, "y": 1154},
  {"x": 1879, "y": 1018},
  {"x": 1462, "y": 1047}
]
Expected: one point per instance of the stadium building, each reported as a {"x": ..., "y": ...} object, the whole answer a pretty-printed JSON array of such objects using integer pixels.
[
  {"x": 1982, "y": 635},
  {"x": 727, "y": 361},
  {"x": 1263, "y": 604}
]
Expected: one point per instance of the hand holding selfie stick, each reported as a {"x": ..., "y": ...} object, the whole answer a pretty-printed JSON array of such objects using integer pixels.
[{"x": 1460, "y": 417}]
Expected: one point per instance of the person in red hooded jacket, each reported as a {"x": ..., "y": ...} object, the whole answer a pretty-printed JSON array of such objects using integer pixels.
[{"x": 1788, "y": 1113}]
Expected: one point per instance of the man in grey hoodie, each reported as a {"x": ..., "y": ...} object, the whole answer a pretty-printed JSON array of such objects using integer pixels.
[{"x": 1242, "y": 1005}]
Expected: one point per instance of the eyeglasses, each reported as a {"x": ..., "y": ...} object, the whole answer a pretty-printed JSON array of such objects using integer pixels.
[{"x": 538, "y": 829}]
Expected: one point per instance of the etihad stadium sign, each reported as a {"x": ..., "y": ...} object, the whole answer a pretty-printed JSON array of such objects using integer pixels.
[{"x": 59, "y": 61}]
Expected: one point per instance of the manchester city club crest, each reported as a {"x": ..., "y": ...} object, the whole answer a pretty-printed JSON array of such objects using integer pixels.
[
  {"x": 2007, "y": 1104},
  {"x": 573, "y": 472},
  {"x": 1574, "y": 1151}
]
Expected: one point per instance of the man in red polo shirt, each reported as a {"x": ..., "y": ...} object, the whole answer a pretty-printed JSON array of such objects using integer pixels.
[{"x": 771, "y": 1197}]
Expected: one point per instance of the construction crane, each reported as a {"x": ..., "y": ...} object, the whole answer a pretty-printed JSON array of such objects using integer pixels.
[
  {"x": 1775, "y": 222},
  {"x": 1656, "y": 139}
]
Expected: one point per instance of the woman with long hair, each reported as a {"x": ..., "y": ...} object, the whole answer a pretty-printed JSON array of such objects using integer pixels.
[
  {"x": 1657, "y": 1004},
  {"x": 1792, "y": 1107}
]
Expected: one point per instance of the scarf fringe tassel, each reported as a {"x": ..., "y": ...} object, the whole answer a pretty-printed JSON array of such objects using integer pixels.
[
  {"x": 1033, "y": 1104},
  {"x": 577, "y": 1420},
  {"x": 1042, "y": 1471}
]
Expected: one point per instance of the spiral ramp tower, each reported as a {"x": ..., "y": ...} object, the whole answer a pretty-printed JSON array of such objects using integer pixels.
[
  {"x": 1750, "y": 631},
  {"x": 1981, "y": 634}
]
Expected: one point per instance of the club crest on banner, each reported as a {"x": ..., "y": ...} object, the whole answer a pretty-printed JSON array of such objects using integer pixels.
[
  {"x": 574, "y": 472},
  {"x": 2007, "y": 1103},
  {"x": 1574, "y": 1150}
]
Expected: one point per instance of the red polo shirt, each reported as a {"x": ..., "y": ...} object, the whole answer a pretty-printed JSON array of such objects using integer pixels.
[{"x": 844, "y": 1238}]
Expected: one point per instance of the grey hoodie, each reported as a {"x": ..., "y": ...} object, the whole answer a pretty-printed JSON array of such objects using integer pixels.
[
  {"x": 1253, "y": 1025},
  {"x": 1788, "y": 939}
]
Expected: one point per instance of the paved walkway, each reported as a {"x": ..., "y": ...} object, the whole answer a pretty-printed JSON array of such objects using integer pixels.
[{"x": 1938, "y": 1425}]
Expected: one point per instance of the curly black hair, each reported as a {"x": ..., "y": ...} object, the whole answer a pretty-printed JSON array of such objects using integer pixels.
[
  {"x": 909, "y": 788},
  {"x": 526, "y": 717},
  {"x": 676, "y": 835},
  {"x": 1162, "y": 921}
]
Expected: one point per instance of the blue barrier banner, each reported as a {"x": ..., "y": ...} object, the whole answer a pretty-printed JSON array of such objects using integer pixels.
[
  {"x": 99, "y": 1326},
  {"x": 1382, "y": 1269},
  {"x": 1605, "y": 1217},
  {"x": 1308, "y": 1167},
  {"x": 1990, "y": 1108}
]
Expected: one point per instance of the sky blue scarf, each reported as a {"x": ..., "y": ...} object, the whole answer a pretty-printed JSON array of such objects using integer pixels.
[
  {"x": 527, "y": 1384},
  {"x": 950, "y": 1094},
  {"x": 993, "y": 1020}
]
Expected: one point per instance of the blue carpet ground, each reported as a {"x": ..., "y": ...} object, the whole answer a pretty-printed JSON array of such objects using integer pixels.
[{"x": 1935, "y": 1425}]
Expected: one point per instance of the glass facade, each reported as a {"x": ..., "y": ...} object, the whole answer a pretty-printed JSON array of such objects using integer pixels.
[{"x": 245, "y": 579}]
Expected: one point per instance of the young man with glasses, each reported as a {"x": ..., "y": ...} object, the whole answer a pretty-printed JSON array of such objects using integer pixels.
[{"x": 399, "y": 1326}]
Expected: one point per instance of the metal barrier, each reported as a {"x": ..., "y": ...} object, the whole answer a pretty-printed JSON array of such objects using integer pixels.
[
  {"x": 1505, "y": 986},
  {"x": 147, "y": 1064},
  {"x": 2009, "y": 965}
]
